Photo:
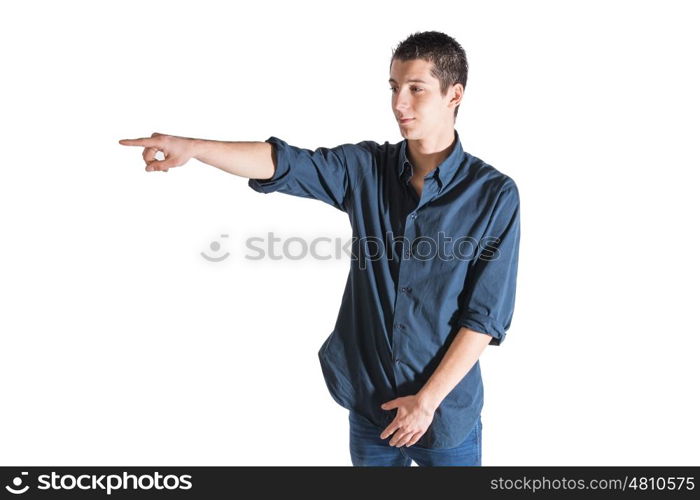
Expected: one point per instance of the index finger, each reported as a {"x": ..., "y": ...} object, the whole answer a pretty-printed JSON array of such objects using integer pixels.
[
  {"x": 389, "y": 430},
  {"x": 144, "y": 141}
]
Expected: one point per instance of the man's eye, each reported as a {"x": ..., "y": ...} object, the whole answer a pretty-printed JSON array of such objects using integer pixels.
[{"x": 393, "y": 89}]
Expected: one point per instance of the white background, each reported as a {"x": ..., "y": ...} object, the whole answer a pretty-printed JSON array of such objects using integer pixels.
[{"x": 121, "y": 345}]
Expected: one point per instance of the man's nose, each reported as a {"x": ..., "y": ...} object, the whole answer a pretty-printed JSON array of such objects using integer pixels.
[{"x": 401, "y": 103}]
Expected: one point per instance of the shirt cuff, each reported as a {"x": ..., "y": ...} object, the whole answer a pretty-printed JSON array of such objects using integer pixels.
[
  {"x": 484, "y": 324},
  {"x": 281, "y": 174}
]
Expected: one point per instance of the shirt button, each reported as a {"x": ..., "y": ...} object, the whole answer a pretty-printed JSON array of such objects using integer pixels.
[
  {"x": 406, "y": 289},
  {"x": 414, "y": 215},
  {"x": 397, "y": 360}
]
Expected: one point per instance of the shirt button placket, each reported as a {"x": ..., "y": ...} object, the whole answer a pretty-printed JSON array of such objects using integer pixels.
[
  {"x": 402, "y": 327},
  {"x": 403, "y": 271}
]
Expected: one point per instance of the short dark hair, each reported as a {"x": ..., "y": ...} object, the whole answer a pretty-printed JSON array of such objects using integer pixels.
[{"x": 448, "y": 57}]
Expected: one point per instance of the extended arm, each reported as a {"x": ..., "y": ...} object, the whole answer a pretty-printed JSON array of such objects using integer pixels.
[
  {"x": 251, "y": 159},
  {"x": 272, "y": 165},
  {"x": 254, "y": 160}
]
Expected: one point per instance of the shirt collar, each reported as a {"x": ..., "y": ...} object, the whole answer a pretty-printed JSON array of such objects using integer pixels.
[{"x": 443, "y": 173}]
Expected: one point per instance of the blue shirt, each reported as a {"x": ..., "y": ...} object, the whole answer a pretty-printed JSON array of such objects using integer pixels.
[{"x": 421, "y": 268}]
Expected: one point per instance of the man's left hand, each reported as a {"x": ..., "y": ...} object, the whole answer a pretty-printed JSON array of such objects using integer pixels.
[{"x": 413, "y": 417}]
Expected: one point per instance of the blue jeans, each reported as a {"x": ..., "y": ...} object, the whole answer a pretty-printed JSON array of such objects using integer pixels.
[{"x": 368, "y": 449}]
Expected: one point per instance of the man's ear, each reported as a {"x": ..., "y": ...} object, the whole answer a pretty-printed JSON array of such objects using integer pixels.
[{"x": 457, "y": 94}]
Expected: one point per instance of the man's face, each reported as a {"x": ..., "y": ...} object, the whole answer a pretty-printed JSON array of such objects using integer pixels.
[{"x": 421, "y": 101}]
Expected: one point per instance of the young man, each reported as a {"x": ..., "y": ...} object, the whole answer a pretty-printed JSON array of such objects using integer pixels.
[{"x": 436, "y": 286}]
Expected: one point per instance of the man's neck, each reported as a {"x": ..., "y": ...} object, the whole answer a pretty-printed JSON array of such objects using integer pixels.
[{"x": 426, "y": 154}]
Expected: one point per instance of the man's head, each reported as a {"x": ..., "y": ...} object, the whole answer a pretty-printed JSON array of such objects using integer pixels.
[{"x": 441, "y": 63}]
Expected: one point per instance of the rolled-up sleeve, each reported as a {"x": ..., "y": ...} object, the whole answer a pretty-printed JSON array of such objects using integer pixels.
[
  {"x": 320, "y": 174},
  {"x": 491, "y": 279}
]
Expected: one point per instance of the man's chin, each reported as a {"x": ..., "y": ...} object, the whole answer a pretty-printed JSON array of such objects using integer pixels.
[
  {"x": 407, "y": 131},
  {"x": 411, "y": 135}
]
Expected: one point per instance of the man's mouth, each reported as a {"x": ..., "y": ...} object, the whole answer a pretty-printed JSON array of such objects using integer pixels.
[{"x": 405, "y": 120}]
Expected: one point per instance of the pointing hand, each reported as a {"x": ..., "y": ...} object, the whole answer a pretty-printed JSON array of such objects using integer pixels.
[{"x": 177, "y": 150}]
